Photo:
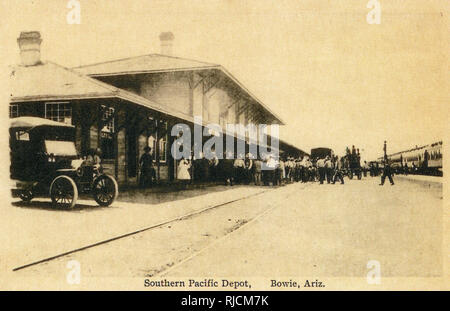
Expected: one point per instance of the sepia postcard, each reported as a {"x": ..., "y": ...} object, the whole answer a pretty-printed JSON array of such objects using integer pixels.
[{"x": 224, "y": 145}]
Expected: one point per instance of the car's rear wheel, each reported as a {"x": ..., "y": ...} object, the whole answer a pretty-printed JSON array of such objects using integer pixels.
[
  {"x": 63, "y": 192},
  {"x": 105, "y": 190}
]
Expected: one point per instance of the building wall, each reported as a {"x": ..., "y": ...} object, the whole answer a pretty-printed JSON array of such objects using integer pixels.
[
  {"x": 197, "y": 98},
  {"x": 171, "y": 90},
  {"x": 184, "y": 92},
  {"x": 218, "y": 100}
]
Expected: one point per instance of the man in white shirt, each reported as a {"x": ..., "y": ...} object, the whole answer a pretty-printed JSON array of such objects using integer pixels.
[
  {"x": 322, "y": 170},
  {"x": 328, "y": 169}
]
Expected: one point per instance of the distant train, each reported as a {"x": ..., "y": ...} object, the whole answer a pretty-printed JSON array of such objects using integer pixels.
[{"x": 426, "y": 160}]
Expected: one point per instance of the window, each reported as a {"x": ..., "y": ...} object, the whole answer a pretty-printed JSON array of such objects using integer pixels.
[
  {"x": 22, "y": 135},
  {"x": 13, "y": 111},
  {"x": 60, "y": 148},
  {"x": 108, "y": 119},
  {"x": 162, "y": 141},
  {"x": 59, "y": 112},
  {"x": 106, "y": 134},
  {"x": 162, "y": 148}
]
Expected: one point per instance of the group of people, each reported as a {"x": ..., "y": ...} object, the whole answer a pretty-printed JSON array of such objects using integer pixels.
[{"x": 269, "y": 171}]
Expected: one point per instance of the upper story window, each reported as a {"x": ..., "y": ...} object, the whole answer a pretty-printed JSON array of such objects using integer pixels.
[
  {"x": 13, "y": 111},
  {"x": 59, "y": 112}
]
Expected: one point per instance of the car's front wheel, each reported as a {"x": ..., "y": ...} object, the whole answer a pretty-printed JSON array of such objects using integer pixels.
[
  {"x": 105, "y": 190},
  {"x": 63, "y": 192}
]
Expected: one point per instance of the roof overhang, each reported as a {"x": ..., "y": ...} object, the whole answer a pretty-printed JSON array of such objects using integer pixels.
[{"x": 200, "y": 68}]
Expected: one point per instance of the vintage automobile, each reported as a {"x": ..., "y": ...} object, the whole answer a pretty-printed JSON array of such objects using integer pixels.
[{"x": 44, "y": 161}]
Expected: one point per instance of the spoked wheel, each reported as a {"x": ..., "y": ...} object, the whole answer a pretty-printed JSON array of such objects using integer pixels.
[
  {"x": 26, "y": 195},
  {"x": 105, "y": 190},
  {"x": 64, "y": 192}
]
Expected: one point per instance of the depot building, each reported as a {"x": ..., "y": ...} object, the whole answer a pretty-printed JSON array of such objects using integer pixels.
[{"x": 121, "y": 106}]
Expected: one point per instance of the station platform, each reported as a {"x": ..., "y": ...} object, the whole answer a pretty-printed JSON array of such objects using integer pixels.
[
  {"x": 424, "y": 180},
  {"x": 168, "y": 192},
  {"x": 45, "y": 232}
]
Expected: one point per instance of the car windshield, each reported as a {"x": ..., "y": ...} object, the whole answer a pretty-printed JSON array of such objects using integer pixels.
[{"x": 60, "y": 148}]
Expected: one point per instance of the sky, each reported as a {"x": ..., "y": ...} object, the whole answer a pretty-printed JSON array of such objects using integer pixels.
[{"x": 334, "y": 79}]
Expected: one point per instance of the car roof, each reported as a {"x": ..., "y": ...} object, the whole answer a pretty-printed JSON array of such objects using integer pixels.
[{"x": 34, "y": 122}]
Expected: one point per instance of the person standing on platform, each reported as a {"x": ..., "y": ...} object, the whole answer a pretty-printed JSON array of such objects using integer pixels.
[
  {"x": 271, "y": 166},
  {"x": 213, "y": 167},
  {"x": 365, "y": 168},
  {"x": 293, "y": 169},
  {"x": 322, "y": 170},
  {"x": 328, "y": 169},
  {"x": 302, "y": 170},
  {"x": 257, "y": 165},
  {"x": 228, "y": 169},
  {"x": 287, "y": 168},
  {"x": 387, "y": 172},
  {"x": 204, "y": 164},
  {"x": 248, "y": 163},
  {"x": 298, "y": 170},
  {"x": 145, "y": 165},
  {"x": 280, "y": 171},
  {"x": 313, "y": 171},
  {"x": 308, "y": 169},
  {"x": 239, "y": 168},
  {"x": 426, "y": 157},
  {"x": 183, "y": 171},
  {"x": 338, "y": 171}
]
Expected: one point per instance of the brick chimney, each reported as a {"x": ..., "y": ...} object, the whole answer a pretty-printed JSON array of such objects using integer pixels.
[
  {"x": 30, "y": 47},
  {"x": 166, "y": 39}
]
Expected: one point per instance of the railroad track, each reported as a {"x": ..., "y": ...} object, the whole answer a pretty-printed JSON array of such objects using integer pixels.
[{"x": 158, "y": 225}]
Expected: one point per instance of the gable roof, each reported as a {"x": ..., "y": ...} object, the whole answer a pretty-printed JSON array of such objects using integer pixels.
[
  {"x": 157, "y": 63},
  {"x": 50, "y": 81},
  {"x": 144, "y": 64}
]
